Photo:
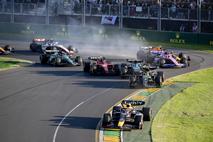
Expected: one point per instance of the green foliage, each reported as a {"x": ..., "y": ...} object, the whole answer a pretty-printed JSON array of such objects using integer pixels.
[
  {"x": 188, "y": 116},
  {"x": 6, "y": 63}
]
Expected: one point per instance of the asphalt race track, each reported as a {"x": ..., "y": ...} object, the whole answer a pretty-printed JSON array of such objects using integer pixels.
[{"x": 61, "y": 104}]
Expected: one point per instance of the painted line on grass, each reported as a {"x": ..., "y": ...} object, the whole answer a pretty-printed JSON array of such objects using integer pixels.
[{"x": 77, "y": 106}]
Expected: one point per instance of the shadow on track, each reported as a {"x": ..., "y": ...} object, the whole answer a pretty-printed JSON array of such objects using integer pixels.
[
  {"x": 85, "y": 80},
  {"x": 23, "y": 54},
  {"x": 76, "y": 122},
  {"x": 38, "y": 64},
  {"x": 60, "y": 73},
  {"x": 104, "y": 83},
  {"x": 26, "y": 53},
  {"x": 68, "y": 71}
]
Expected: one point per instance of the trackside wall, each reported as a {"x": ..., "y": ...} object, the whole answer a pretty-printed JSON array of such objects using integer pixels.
[{"x": 64, "y": 31}]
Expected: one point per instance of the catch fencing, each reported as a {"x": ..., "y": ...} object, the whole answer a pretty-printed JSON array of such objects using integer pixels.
[{"x": 154, "y": 16}]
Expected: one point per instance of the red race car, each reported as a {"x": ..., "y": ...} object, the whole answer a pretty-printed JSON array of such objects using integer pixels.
[{"x": 98, "y": 65}]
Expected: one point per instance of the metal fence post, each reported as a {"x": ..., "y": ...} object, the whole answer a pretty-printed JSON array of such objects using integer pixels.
[
  {"x": 13, "y": 11},
  {"x": 120, "y": 14},
  {"x": 168, "y": 13},
  {"x": 47, "y": 12},
  {"x": 159, "y": 16},
  {"x": 199, "y": 16},
  {"x": 84, "y": 13},
  {"x": 109, "y": 12}
]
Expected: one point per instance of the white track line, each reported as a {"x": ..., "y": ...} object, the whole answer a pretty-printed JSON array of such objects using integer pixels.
[
  {"x": 57, "y": 128},
  {"x": 101, "y": 135}
]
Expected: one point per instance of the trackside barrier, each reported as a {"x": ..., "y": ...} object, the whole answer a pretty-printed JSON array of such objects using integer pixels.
[{"x": 67, "y": 32}]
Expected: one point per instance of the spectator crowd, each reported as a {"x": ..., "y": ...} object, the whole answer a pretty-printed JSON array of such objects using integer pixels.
[{"x": 173, "y": 10}]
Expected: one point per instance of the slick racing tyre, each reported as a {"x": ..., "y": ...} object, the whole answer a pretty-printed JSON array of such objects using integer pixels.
[
  {"x": 79, "y": 60},
  {"x": 142, "y": 81},
  {"x": 58, "y": 61},
  {"x": 116, "y": 69},
  {"x": 32, "y": 48},
  {"x": 160, "y": 73},
  {"x": 106, "y": 119},
  {"x": 43, "y": 59},
  {"x": 180, "y": 55},
  {"x": 132, "y": 81},
  {"x": 86, "y": 66},
  {"x": 9, "y": 48},
  {"x": 162, "y": 62},
  {"x": 138, "y": 120},
  {"x": 147, "y": 113},
  {"x": 93, "y": 69},
  {"x": 158, "y": 80}
]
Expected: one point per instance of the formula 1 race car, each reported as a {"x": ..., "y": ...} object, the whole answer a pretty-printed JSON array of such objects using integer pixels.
[
  {"x": 126, "y": 116},
  {"x": 171, "y": 60},
  {"x": 132, "y": 65},
  {"x": 158, "y": 56},
  {"x": 157, "y": 50},
  {"x": 98, "y": 65},
  {"x": 6, "y": 49},
  {"x": 58, "y": 55},
  {"x": 39, "y": 44},
  {"x": 145, "y": 77}
]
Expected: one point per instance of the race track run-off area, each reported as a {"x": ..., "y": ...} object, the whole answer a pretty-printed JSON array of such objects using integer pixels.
[{"x": 59, "y": 104}]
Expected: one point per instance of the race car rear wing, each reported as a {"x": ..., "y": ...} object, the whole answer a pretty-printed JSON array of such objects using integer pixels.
[
  {"x": 133, "y": 102},
  {"x": 96, "y": 58},
  {"x": 39, "y": 39},
  {"x": 134, "y": 61},
  {"x": 51, "y": 51}
]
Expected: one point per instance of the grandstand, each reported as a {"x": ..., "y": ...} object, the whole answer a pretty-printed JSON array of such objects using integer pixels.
[{"x": 162, "y": 15}]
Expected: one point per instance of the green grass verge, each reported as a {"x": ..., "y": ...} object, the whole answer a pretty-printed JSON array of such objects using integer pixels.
[
  {"x": 7, "y": 63},
  {"x": 188, "y": 116},
  {"x": 154, "y": 101}
]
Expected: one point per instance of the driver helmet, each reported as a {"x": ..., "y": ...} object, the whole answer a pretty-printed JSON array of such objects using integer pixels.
[
  {"x": 127, "y": 105},
  {"x": 70, "y": 48}
]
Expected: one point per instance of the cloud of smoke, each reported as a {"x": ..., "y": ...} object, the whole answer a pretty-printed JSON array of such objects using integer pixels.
[{"x": 98, "y": 42}]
